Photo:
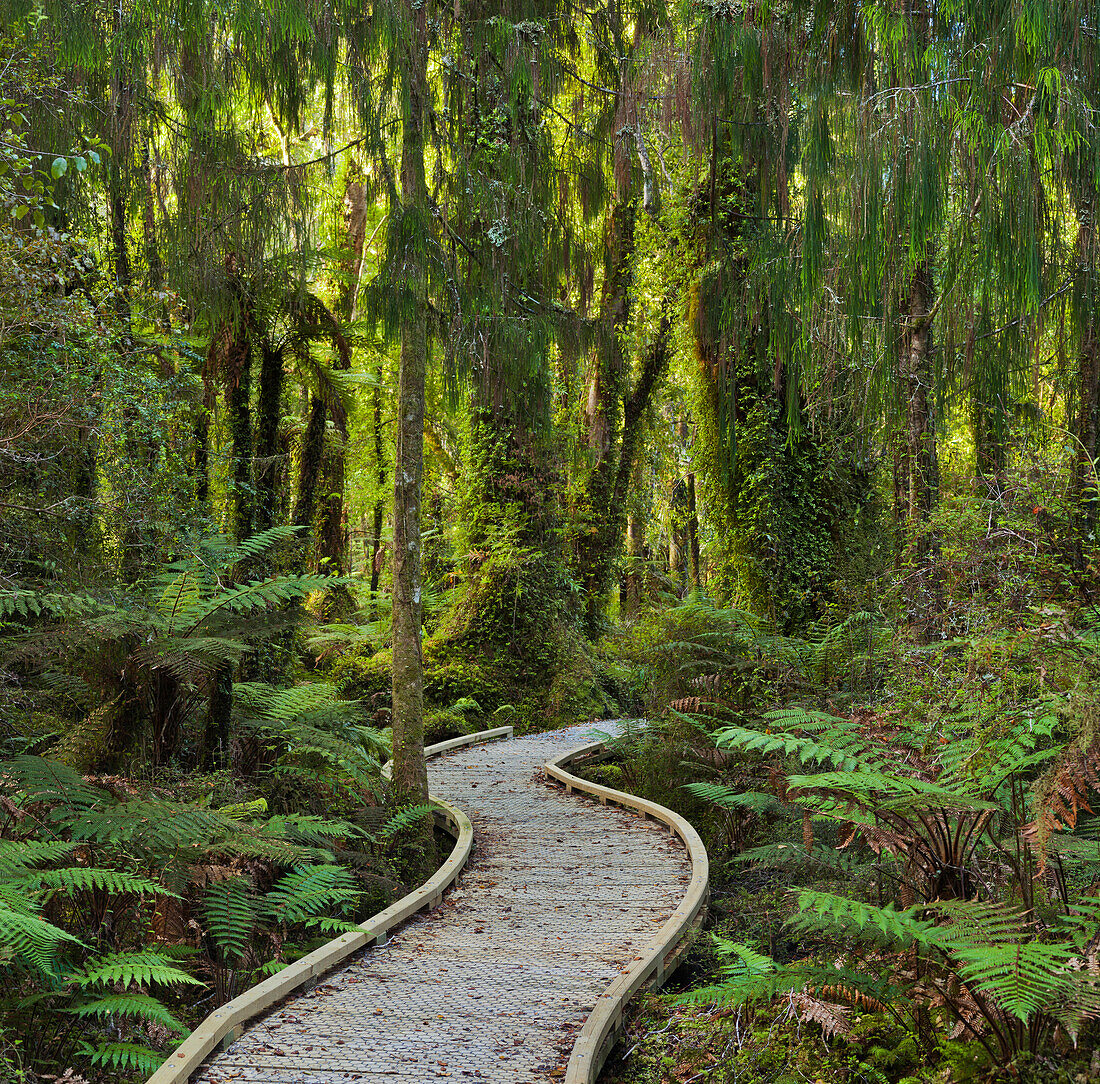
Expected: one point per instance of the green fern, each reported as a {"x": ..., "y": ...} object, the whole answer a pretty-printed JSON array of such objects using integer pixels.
[
  {"x": 139, "y": 1006},
  {"x": 84, "y": 878},
  {"x": 726, "y": 798},
  {"x": 36, "y": 779},
  {"x": 28, "y": 940},
  {"x": 824, "y": 912},
  {"x": 307, "y": 892},
  {"x": 402, "y": 820},
  {"x": 18, "y": 857},
  {"x": 229, "y": 916},
  {"x": 132, "y": 969},
  {"x": 123, "y": 1057},
  {"x": 806, "y": 749}
]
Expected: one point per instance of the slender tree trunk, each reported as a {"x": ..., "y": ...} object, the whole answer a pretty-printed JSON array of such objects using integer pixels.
[
  {"x": 239, "y": 411},
  {"x": 218, "y": 712},
  {"x": 599, "y": 546},
  {"x": 919, "y": 455},
  {"x": 269, "y": 410},
  {"x": 309, "y": 471},
  {"x": 1087, "y": 419},
  {"x": 631, "y": 591},
  {"x": 149, "y": 225},
  {"x": 693, "y": 534},
  {"x": 202, "y": 430},
  {"x": 410, "y": 777},
  {"x": 376, "y": 556}
]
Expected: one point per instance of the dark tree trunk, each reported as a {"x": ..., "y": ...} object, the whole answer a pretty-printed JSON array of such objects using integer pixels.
[
  {"x": 693, "y": 534},
  {"x": 410, "y": 777},
  {"x": 269, "y": 410},
  {"x": 309, "y": 472},
  {"x": 238, "y": 372},
  {"x": 215, "y": 752},
  {"x": 202, "y": 428},
  {"x": 377, "y": 556}
]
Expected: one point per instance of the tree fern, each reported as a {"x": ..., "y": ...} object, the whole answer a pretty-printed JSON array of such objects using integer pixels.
[
  {"x": 132, "y": 969},
  {"x": 28, "y": 940},
  {"x": 142, "y": 1007},
  {"x": 840, "y": 915},
  {"x": 229, "y": 916},
  {"x": 727, "y": 798},
  {"x": 123, "y": 1057},
  {"x": 307, "y": 892}
]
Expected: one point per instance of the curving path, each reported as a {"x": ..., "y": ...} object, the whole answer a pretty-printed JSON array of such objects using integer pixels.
[{"x": 559, "y": 897}]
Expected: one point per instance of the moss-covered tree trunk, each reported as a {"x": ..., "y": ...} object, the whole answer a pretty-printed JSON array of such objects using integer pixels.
[
  {"x": 1087, "y": 413},
  {"x": 238, "y": 395},
  {"x": 410, "y": 776}
]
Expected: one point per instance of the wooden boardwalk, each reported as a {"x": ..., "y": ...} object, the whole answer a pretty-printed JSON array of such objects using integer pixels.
[{"x": 559, "y": 897}]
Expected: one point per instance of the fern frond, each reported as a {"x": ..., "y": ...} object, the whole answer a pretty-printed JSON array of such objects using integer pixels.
[
  {"x": 1022, "y": 979},
  {"x": 39, "y": 779},
  {"x": 29, "y": 940},
  {"x": 727, "y": 798},
  {"x": 140, "y": 1006},
  {"x": 19, "y": 857},
  {"x": 84, "y": 878},
  {"x": 825, "y": 912},
  {"x": 877, "y": 790},
  {"x": 229, "y": 915},
  {"x": 126, "y": 1057},
  {"x": 307, "y": 892},
  {"x": 806, "y": 749},
  {"x": 402, "y": 820},
  {"x": 306, "y": 828},
  {"x": 132, "y": 969},
  {"x": 17, "y": 602}
]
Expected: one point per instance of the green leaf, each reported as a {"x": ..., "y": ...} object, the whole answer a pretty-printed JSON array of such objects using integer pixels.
[{"x": 59, "y": 168}]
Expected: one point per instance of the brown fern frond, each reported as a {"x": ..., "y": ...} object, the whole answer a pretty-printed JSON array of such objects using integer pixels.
[
  {"x": 694, "y": 705},
  {"x": 1063, "y": 793},
  {"x": 831, "y": 1018},
  {"x": 856, "y": 999}
]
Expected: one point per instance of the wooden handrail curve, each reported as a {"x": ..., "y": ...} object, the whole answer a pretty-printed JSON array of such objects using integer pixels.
[{"x": 659, "y": 958}]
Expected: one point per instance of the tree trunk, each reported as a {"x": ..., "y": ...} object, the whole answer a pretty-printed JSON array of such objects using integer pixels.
[
  {"x": 309, "y": 471},
  {"x": 693, "y": 534},
  {"x": 269, "y": 410},
  {"x": 1087, "y": 419},
  {"x": 376, "y": 556},
  {"x": 633, "y": 585},
  {"x": 599, "y": 546},
  {"x": 410, "y": 776},
  {"x": 238, "y": 371},
  {"x": 919, "y": 454}
]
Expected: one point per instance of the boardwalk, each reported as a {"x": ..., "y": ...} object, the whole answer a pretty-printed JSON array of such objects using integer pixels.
[{"x": 559, "y": 896}]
